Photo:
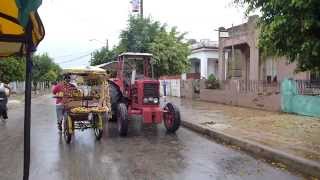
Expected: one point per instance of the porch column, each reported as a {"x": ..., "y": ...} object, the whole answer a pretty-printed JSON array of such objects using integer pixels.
[
  {"x": 204, "y": 67},
  {"x": 254, "y": 63},
  {"x": 221, "y": 64}
]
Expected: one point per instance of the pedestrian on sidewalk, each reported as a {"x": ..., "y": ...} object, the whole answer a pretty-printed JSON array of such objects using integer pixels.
[
  {"x": 164, "y": 84},
  {"x": 5, "y": 92}
]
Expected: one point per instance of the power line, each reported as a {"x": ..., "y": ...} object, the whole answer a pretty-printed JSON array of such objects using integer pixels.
[
  {"x": 74, "y": 59},
  {"x": 68, "y": 55}
]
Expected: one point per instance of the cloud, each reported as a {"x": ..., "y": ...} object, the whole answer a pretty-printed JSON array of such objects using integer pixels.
[{"x": 70, "y": 24}]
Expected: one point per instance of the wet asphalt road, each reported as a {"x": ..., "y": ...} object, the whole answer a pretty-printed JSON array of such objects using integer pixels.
[{"x": 148, "y": 153}]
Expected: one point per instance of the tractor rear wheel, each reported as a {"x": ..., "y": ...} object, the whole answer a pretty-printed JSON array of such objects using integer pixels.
[
  {"x": 122, "y": 119},
  {"x": 171, "y": 118}
]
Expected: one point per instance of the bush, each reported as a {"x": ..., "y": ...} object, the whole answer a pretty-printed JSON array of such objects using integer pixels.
[
  {"x": 211, "y": 78},
  {"x": 212, "y": 82}
]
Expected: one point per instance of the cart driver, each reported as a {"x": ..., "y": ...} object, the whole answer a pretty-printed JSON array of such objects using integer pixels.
[{"x": 61, "y": 88}]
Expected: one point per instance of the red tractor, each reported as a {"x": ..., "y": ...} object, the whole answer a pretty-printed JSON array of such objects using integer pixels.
[{"x": 134, "y": 92}]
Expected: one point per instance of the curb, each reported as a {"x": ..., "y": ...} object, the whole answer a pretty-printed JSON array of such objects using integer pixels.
[{"x": 299, "y": 164}]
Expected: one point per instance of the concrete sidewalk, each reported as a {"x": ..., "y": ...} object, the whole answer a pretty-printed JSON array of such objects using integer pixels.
[{"x": 290, "y": 139}]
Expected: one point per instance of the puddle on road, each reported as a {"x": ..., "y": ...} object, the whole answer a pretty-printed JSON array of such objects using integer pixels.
[{"x": 214, "y": 125}]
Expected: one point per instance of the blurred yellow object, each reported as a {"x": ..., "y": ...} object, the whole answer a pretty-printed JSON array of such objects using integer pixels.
[
  {"x": 80, "y": 110},
  {"x": 99, "y": 109},
  {"x": 88, "y": 110},
  {"x": 15, "y": 15},
  {"x": 77, "y": 94}
]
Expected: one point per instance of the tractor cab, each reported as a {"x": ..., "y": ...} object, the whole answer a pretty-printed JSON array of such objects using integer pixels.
[{"x": 134, "y": 66}]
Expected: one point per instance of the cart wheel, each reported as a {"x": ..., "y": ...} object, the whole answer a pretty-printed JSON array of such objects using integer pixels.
[
  {"x": 122, "y": 119},
  {"x": 171, "y": 118},
  {"x": 98, "y": 126},
  {"x": 67, "y": 134}
]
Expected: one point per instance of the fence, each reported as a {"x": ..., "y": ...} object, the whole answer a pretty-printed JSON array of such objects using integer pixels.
[
  {"x": 252, "y": 93},
  {"x": 19, "y": 87},
  {"x": 172, "y": 87},
  {"x": 249, "y": 86},
  {"x": 308, "y": 87},
  {"x": 258, "y": 86}
]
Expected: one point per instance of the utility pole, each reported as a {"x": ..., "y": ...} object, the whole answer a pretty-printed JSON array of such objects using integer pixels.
[{"x": 141, "y": 9}]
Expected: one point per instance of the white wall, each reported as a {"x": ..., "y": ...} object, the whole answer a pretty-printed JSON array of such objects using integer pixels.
[
  {"x": 204, "y": 55},
  {"x": 198, "y": 54},
  {"x": 172, "y": 87}
]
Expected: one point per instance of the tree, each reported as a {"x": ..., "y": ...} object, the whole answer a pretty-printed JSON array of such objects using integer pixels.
[
  {"x": 12, "y": 69},
  {"x": 103, "y": 55},
  {"x": 139, "y": 34},
  {"x": 44, "y": 69},
  {"x": 144, "y": 35},
  {"x": 289, "y": 28},
  {"x": 168, "y": 48},
  {"x": 170, "y": 53}
]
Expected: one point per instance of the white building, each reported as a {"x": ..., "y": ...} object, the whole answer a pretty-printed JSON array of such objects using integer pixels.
[{"x": 204, "y": 58}]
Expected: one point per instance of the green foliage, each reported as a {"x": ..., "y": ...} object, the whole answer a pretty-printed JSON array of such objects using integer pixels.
[
  {"x": 145, "y": 35},
  {"x": 212, "y": 77},
  {"x": 103, "y": 55},
  {"x": 139, "y": 34},
  {"x": 12, "y": 69},
  {"x": 44, "y": 69},
  {"x": 170, "y": 53},
  {"x": 212, "y": 82},
  {"x": 289, "y": 28}
]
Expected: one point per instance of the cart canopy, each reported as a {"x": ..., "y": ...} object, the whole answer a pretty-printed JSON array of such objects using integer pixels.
[
  {"x": 16, "y": 16},
  {"x": 85, "y": 70}
]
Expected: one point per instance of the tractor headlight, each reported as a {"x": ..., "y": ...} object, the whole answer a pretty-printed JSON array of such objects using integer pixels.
[
  {"x": 145, "y": 100},
  {"x": 150, "y": 99},
  {"x": 156, "y": 100}
]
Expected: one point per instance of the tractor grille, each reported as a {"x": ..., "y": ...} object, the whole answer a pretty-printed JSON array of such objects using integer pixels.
[{"x": 151, "y": 90}]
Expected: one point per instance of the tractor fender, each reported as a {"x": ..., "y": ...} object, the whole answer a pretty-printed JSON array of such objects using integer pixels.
[{"x": 116, "y": 95}]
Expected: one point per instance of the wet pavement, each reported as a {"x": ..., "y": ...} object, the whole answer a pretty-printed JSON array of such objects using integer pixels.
[
  {"x": 148, "y": 153},
  {"x": 293, "y": 134}
]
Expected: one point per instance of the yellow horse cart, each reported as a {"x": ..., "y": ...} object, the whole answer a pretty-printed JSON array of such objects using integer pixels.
[{"x": 86, "y": 101}]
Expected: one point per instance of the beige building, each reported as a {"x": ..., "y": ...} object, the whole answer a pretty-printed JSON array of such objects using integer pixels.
[{"x": 239, "y": 56}]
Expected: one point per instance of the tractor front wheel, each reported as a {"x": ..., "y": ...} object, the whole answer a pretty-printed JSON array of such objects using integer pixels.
[
  {"x": 171, "y": 117},
  {"x": 122, "y": 119}
]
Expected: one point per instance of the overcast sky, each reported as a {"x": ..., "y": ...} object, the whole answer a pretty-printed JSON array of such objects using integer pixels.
[{"x": 70, "y": 24}]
